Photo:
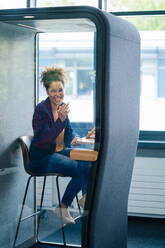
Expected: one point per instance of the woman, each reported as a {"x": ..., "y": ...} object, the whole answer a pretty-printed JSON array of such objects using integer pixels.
[{"x": 53, "y": 138}]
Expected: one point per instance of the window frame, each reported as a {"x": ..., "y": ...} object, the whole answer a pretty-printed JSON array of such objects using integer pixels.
[{"x": 31, "y": 3}]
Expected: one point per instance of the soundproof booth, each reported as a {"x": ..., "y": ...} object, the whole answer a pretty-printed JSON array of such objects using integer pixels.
[{"x": 111, "y": 99}]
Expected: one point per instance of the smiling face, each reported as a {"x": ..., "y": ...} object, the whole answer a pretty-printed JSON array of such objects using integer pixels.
[{"x": 56, "y": 93}]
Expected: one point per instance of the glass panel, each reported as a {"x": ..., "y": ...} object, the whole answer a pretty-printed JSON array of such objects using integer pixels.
[
  {"x": 50, "y": 3},
  {"x": 136, "y": 5},
  {"x": 8, "y": 4},
  {"x": 73, "y": 50},
  {"x": 152, "y": 71}
]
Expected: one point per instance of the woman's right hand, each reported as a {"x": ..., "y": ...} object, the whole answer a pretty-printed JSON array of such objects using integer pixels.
[
  {"x": 91, "y": 134},
  {"x": 63, "y": 111}
]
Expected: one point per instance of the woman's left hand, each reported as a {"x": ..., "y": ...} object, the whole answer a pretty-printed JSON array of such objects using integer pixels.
[{"x": 74, "y": 141}]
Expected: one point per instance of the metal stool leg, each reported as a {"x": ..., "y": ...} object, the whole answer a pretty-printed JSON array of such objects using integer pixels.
[
  {"x": 41, "y": 202},
  {"x": 78, "y": 205},
  {"x": 59, "y": 202},
  {"x": 23, "y": 203}
]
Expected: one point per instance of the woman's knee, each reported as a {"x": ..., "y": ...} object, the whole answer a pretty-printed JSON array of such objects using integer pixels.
[{"x": 84, "y": 167}]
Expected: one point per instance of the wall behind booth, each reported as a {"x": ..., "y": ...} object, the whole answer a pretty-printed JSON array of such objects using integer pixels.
[{"x": 16, "y": 109}]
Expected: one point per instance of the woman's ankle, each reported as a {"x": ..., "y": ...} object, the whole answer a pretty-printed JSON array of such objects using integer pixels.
[
  {"x": 84, "y": 196},
  {"x": 63, "y": 205}
]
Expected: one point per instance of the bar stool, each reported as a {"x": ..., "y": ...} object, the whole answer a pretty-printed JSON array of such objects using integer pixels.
[{"x": 25, "y": 142}]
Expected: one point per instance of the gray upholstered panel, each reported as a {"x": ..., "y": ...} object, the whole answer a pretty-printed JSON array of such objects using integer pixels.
[
  {"x": 120, "y": 123},
  {"x": 16, "y": 105}
]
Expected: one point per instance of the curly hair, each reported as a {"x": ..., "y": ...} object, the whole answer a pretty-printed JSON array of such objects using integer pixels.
[{"x": 53, "y": 74}]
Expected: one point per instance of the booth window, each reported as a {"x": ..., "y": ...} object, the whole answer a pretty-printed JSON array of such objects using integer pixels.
[{"x": 72, "y": 49}]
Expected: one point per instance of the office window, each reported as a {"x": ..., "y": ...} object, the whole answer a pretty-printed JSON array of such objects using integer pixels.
[
  {"x": 51, "y": 3},
  {"x": 135, "y": 5},
  {"x": 152, "y": 95},
  {"x": 8, "y": 4}
]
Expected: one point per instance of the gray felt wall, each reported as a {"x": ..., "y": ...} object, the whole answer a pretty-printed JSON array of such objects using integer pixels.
[{"x": 16, "y": 108}]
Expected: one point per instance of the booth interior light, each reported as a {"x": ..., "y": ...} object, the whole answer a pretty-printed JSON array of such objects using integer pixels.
[{"x": 29, "y": 17}]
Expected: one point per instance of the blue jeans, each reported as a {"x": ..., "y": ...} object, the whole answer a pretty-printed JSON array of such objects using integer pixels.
[{"x": 61, "y": 163}]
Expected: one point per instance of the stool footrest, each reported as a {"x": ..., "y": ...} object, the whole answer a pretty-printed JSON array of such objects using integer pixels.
[{"x": 29, "y": 216}]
